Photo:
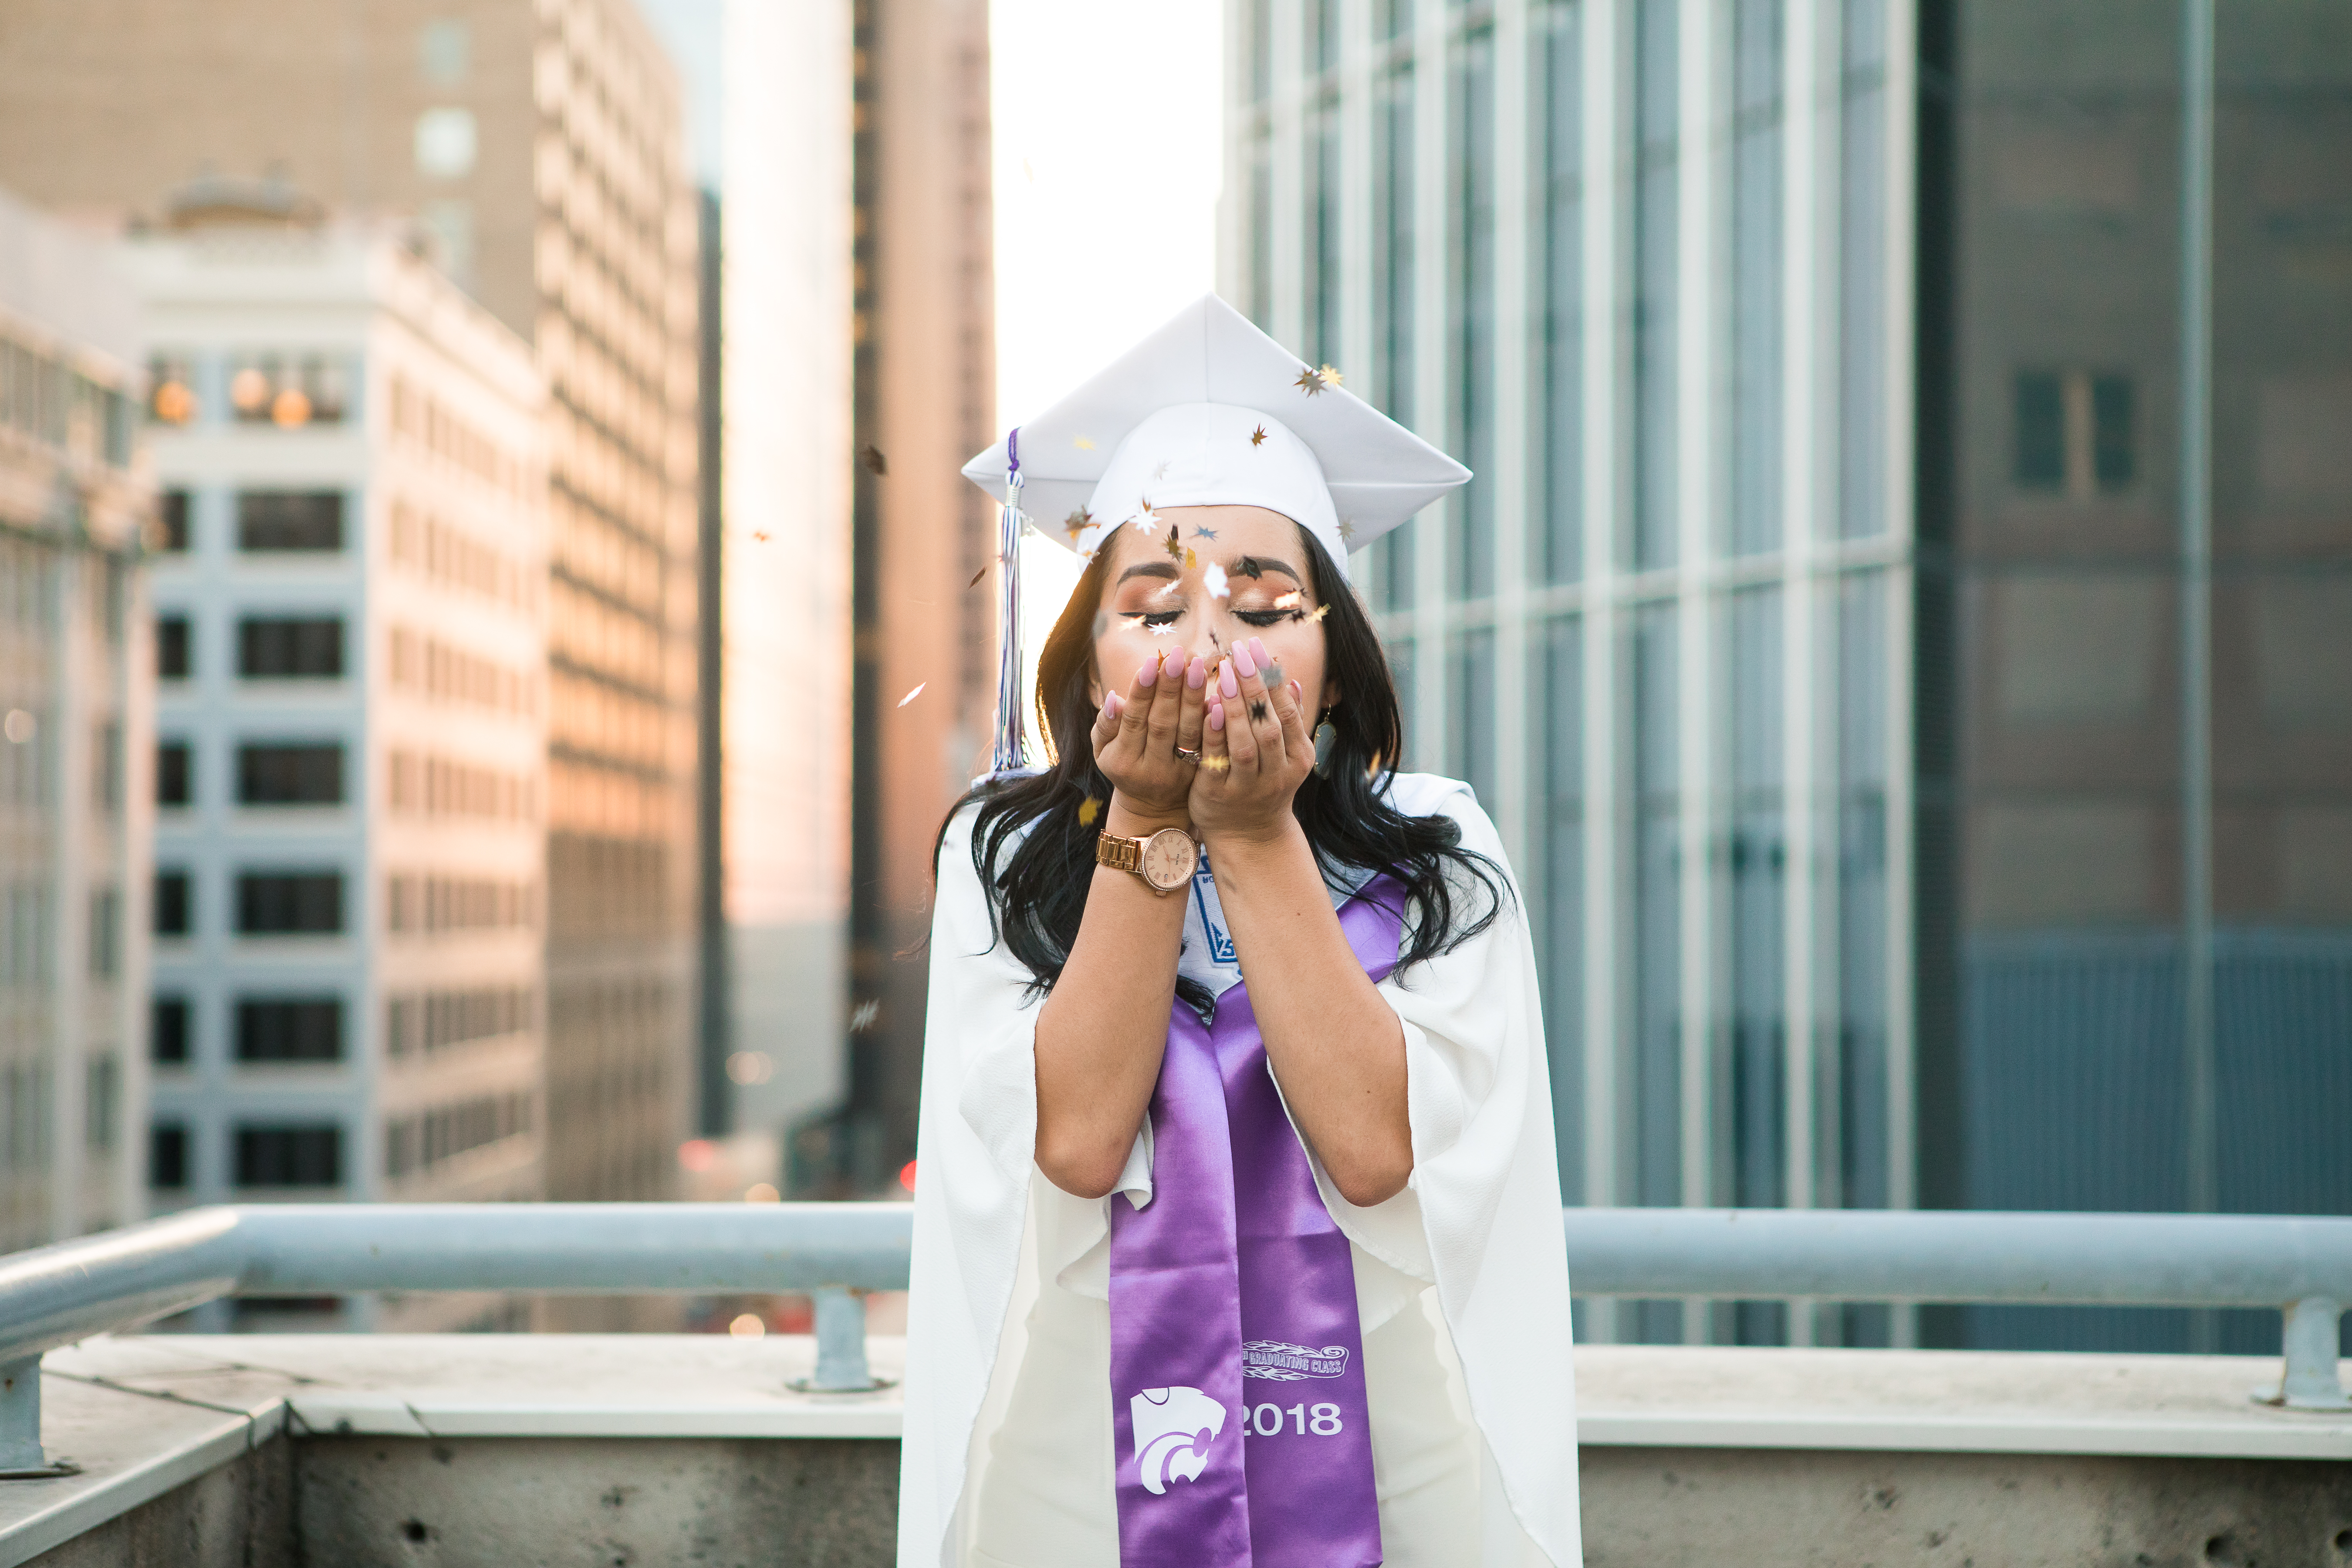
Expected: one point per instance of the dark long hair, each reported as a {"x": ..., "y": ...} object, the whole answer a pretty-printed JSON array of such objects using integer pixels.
[{"x": 1039, "y": 889}]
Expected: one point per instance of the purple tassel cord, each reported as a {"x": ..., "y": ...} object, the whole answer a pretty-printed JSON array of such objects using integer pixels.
[{"x": 1010, "y": 754}]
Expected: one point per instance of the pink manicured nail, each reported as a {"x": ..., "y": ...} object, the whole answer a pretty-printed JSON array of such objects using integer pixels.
[
  {"x": 1257, "y": 650},
  {"x": 1216, "y": 715},
  {"x": 1242, "y": 657},
  {"x": 1111, "y": 704},
  {"x": 1149, "y": 673},
  {"x": 1198, "y": 676},
  {"x": 1227, "y": 684}
]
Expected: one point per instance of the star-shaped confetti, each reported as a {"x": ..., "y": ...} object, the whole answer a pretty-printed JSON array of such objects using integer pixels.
[
  {"x": 1215, "y": 579},
  {"x": 1257, "y": 436},
  {"x": 1346, "y": 531},
  {"x": 761, "y": 534},
  {"x": 875, "y": 463},
  {"x": 1200, "y": 532},
  {"x": 1088, "y": 809},
  {"x": 1077, "y": 522},
  {"x": 1082, "y": 444},
  {"x": 1289, "y": 601},
  {"x": 1310, "y": 381},
  {"x": 1160, "y": 473},
  {"x": 915, "y": 693},
  {"x": 1216, "y": 764},
  {"x": 1175, "y": 551},
  {"x": 1146, "y": 520},
  {"x": 1331, "y": 377}
]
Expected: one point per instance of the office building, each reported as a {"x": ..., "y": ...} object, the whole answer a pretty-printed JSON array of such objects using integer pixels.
[
  {"x": 76, "y": 722},
  {"x": 536, "y": 147},
  {"x": 350, "y": 778},
  {"x": 1899, "y": 620}
]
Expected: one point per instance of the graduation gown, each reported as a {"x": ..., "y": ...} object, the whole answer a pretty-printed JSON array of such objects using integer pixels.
[{"x": 1477, "y": 1232}]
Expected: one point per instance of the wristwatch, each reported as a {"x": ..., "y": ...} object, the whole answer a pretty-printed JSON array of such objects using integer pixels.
[{"x": 1164, "y": 861}]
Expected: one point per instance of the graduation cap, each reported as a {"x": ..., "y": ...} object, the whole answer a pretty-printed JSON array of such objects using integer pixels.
[{"x": 1206, "y": 411}]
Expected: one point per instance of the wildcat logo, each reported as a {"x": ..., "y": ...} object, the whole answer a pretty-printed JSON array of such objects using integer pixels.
[{"x": 1173, "y": 1428}]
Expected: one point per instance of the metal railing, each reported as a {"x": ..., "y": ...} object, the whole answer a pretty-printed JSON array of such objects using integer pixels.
[{"x": 56, "y": 1295}]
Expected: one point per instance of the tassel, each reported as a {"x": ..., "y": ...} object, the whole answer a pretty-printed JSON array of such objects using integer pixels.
[{"x": 1010, "y": 755}]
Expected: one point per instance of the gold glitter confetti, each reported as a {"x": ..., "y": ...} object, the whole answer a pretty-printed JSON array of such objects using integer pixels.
[
  {"x": 1216, "y": 764},
  {"x": 1319, "y": 612},
  {"x": 915, "y": 693},
  {"x": 1088, "y": 809},
  {"x": 1331, "y": 377},
  {"x": 1191, "y": 560},
  {"x": 1288, "y": 601},
  {"x": 1175, "y": 551},
  {"x": 1082, "y": 444},
  {"x": 875, "y": 463},
  {"x": 1257, "y": 436},
  {"x": 975, "y": 578},
  {"x": 761, "y": 534},
  {"x": 1077, "y": 522},
  {"x": 1310, "y": 381}
]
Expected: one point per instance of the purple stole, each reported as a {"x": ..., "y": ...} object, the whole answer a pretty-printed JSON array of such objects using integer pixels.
[{"x": 1242, "y": 1425}]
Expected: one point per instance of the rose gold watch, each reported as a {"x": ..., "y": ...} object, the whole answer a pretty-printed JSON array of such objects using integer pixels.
[{"x": 1164, "y": 861}]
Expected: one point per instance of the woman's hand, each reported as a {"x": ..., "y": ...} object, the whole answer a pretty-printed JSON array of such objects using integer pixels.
[
  {"x": 1136, "y": 737},
  {"x": 1255, "y": 752}
]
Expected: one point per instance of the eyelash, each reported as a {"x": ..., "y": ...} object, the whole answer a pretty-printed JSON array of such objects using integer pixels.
[{"x": 1248, "y": 617}]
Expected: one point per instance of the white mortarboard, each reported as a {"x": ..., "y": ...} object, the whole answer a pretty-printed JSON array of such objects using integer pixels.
[{"x": 1209, "y": 411}]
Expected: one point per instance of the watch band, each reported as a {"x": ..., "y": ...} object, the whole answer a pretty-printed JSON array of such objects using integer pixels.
[{"x": 1119, "y": 853}]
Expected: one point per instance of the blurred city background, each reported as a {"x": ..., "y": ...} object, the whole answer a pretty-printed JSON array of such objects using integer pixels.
[{"x": 491, "y": 621}]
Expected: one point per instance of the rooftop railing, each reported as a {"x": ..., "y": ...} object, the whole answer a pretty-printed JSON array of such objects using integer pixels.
[{"x": 56, "y": 1295}]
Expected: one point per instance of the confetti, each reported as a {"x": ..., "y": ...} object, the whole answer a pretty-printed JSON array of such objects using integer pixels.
[
  {"x": 1146, "y": 520},
  {"x": 1082, "y": 444},
  {"x": 976, "y": 577},
  {"x": 1316, "y": 613},
  {"x": 1088, "y": 809},
  {"x": 1346, "y": 531},
  {"x": 1216, "y": 764},
  {"x": 1077, "y": 522},
  {"x": 1200, "y": 532},
  {"x": 862, "y": 1019},
  {"x": 1175, "y": 551},
  {"x": 1215, "y": 578},
  {"x": 761, "y": 534},
  {"x": 1310, "y": 381},
  {"x": 915, "y": 693},
  {"x": 1331, "y": 377},
  {"x": 1249, "y": 567},
  {"x": 1160, "y": 473},
  {"x": 875, "y": 463},
  {"x": 1257, "y": 436},
  {"x": 1289, "y": 601}
]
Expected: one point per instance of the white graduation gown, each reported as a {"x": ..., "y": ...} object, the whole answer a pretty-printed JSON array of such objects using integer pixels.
[{"x": 1479, "y": 1220}]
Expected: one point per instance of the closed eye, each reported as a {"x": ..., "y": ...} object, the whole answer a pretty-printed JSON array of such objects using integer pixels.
[
  {"x": 1155, "y": 617},
  {"x": 1264, "y": 617}
]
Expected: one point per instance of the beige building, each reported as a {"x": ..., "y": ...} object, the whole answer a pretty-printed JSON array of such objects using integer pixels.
[
  {"x": 536, "y": 145},
  {"x": 75, "y": 717}
]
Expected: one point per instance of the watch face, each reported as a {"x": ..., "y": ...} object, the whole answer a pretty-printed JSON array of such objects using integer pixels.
[{"x": 1168, "y": 857}]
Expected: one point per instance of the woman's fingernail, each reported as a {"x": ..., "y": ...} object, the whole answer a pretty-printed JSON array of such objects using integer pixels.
[
  {"x": 1111, "y": 704},
  {"x": 1226, "y": 683},
  {"x": 1297, "y": 692},
  {"x": 1242, "y": 657},
  {"x": 1197, "y": 676},
  {"x": 1216, "y": 715},
  {"x": 1257, "y": 649},
  {"x": 1149, "y": 673}
]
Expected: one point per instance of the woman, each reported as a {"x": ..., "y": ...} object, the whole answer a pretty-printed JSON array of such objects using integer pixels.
[{"x": 1237, "y": 1231}]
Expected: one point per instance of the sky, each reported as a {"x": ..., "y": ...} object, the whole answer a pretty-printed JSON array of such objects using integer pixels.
[{"x": 1108, "y": 115}]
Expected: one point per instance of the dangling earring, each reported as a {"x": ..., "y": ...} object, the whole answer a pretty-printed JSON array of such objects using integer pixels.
[{"x": 1326, "y": 739}]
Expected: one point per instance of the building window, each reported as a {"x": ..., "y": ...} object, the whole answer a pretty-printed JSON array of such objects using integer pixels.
[
  {"x": 273, "y": 648},
  {"x": 106, "y": 767},
  {"x": 289, "y": 776},
  {"x": 172, "y": 520},
  {"x": 101, "y": 1101},
  {"x": 105, "y": 934},
  {"x": 171, "y": 662},
  {"x": 289, "y": 520},
  {"x": 172, "y": 784},
  {"x": 174, "y": 916},
  {"x": 167, "y": 1030},
  {"x": 290, "y": 1029},
  {"x": 174, "y": 399},
  {"x": 167, "y": 1156},
  {"x": 297, "y": 1156},
  {"x": 289, "y": 903},
  {"x": 2076, "y": 433},
  {"x": 289, "y": 391}
]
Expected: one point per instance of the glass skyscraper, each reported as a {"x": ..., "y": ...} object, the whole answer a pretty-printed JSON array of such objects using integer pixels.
[{"x": 1901, "y": 621}]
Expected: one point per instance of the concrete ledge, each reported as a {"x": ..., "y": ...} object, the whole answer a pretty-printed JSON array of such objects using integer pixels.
[{"x": 146, "y": 1415}]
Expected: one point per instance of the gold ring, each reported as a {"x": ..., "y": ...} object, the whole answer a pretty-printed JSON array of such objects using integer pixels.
[{"x": 1193, "y": 757}]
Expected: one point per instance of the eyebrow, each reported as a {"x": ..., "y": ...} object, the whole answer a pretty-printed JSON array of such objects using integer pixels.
[
  {"x": 1150, "y": 569},
  {"x": 1250, "y": 565}
]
